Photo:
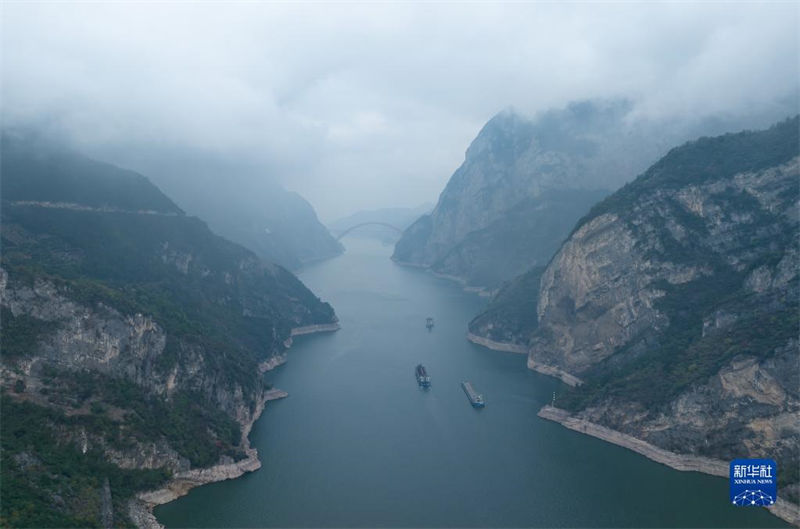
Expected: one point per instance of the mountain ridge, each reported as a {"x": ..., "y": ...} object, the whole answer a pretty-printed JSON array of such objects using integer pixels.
[
  {"x": 658, "y": 301},
  {"x": 521, "y": 180},
  {"x": 131, "y": 341}
]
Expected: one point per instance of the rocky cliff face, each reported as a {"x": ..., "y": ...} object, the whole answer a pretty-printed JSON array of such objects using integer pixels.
[
  {"x": 525, "y": 182},
  {"x": 606, "y": 285},
  {"x": 131, "y": 339},
  {"x": 521, "y": 187},
  {"x": 674, "y": 301},
  {"x": 525, "y": 236}
]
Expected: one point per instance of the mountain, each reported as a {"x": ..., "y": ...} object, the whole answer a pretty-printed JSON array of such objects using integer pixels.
[
  {"x": 240, "y": 201},
  {"x": 131, "y": 340},
  {"x": 525, "y": 235},
  {"x": 523, "y": 184},
  {"x": 526, "y": 181},
  {"x": 673, "y": 305},
  {"x": 278, "y": 225},
  {"x": 252, "y": 210},
  {"x": 373, "y": 221}
]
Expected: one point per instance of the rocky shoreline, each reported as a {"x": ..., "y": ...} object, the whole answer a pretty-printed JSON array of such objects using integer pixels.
[
  {"x": 545, "y": 369},
  {"x": 496, "y": 346},
  {"x": 272, "y": 363},
  {"x": 480, "y": 291},
  {"x": 141, "y": 509},
  {"x": 311, "y": 329},
  {"x": 567, "y": 378},
  {"x": 782, "y": 508}
]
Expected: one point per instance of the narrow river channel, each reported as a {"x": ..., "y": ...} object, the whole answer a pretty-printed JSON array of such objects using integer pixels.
[{"x": 358, "y": 444}]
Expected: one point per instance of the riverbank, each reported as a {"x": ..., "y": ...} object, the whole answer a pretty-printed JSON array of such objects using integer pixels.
[
  {"x": 480, "y": 291},
  {"x": 496, "y": 346},
  {"x": 567, "y": 378},
  {"x": 141, "y": 508},
  {"x": 311, "y": 329},
  {"x": 272, "y": 363},
  {"x": 782, "y": 508},
  {"x": 544, "y": 369}
]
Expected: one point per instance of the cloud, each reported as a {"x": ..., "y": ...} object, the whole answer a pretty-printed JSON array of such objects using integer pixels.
[{"x": 370, "y": 105}]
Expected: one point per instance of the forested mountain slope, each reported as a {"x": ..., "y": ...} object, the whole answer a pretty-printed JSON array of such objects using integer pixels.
[
  {"x": 675, "y": 302},
  {"x": 131, "y": 338}
]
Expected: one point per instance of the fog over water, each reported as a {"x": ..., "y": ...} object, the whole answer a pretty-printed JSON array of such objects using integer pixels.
[{"x": 365, "y": 106}]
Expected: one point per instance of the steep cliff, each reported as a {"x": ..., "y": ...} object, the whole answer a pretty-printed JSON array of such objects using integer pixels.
[
  {"x": 131, "y": 338},
  {"x": 523, "y": 184},
  {"x": 525, "y": 236},
  {"x": 675, "y": 302}
]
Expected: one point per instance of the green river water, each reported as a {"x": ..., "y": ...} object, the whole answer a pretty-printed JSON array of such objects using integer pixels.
[{"x": 358, "y": 444}]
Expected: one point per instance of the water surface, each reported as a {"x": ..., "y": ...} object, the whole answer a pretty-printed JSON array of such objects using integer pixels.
[{"x": 358, "y": 444}]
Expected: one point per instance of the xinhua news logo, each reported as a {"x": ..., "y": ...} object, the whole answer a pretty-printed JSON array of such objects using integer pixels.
[{"x": 754, "y": 482}]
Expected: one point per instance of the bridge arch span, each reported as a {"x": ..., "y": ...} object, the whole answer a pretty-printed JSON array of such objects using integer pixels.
[{"x": 362, "y": 224}]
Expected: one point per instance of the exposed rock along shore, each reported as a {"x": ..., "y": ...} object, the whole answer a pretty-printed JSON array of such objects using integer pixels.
[
  {"x": 307, "y": 329},
  {"x": 272, "y": 363},
  {"x": 481, "y": 291},
  {"x": 553, "y": 371},
  {"x": 141, "y": 509},
  {"x": 782, "y": 508},
  {"x": 320, "y": 327},
  {"x": 545, "y": 369},
  {"x": 497, "y": 346}
]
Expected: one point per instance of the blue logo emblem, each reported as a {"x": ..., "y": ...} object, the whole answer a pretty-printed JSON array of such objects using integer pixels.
[{"x": 754, "y": 482}]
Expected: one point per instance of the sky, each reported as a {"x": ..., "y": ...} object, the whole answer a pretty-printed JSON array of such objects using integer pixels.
[{"x": 368, "y": 105}]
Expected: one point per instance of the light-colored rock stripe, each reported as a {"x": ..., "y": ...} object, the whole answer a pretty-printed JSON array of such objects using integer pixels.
[
  {"x": 310, "y": 329},
  {"x": 496, "y": 346},
  {"x": 685, "y": 462}
]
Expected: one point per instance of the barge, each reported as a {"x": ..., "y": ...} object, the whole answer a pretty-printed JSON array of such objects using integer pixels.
[
  {"x": 475, "y": 398},
  {"x": 423, "y": 379}
]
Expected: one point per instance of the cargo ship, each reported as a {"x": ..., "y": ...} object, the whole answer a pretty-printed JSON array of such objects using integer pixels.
[
  {"x": 475, "y": 398},
  {"x": 423, "y": 379}
]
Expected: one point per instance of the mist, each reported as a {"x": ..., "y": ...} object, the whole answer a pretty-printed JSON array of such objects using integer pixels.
[{"x": 366, "y": 106}]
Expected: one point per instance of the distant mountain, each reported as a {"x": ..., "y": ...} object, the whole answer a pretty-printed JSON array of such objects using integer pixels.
[
  {"x": 131, "y": 339},
  {"x": 239, "y": 201},
  {"x": 522, "y": 185},
  {"x": 525, "y": 181},
  {"x": 400, "y": 218},
  {"x": 278, "y": 225},
  {"x": 675, "y": 302}
]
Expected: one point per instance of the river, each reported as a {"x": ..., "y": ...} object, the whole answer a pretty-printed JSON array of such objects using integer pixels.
[{"x": 358, "y": 444}]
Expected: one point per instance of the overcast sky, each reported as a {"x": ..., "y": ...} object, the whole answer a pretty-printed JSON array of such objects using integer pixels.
[{"x": 363, "y": 106}]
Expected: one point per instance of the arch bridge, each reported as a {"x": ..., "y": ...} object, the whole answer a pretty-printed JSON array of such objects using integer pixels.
[{"x": 362, "y": 224}]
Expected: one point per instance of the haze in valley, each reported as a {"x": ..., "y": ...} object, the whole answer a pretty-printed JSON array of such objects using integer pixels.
[{"x": 369, "y": 106}]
